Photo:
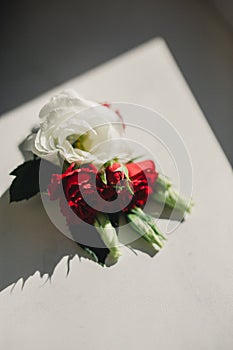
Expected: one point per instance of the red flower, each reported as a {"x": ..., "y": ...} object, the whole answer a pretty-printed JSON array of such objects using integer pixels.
[
  {"x": 86, "y": 180},
  {"x": 114, "y": 173},
  {"x": 112, "y": 188},
  {"x": 143, "y": 175},
  {"x": 143, "y": 171},
  {"x": 141, "y": 178},
  {"x": 73, "y": 182}
]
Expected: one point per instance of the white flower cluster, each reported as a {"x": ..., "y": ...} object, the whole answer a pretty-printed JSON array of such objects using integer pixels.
[{"x": 77, "y": 130}]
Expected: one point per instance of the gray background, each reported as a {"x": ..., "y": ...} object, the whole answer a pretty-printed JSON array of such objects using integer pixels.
[{"x": 44, "y": 43}]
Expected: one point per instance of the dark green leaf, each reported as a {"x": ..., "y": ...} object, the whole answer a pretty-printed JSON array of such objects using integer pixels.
[{"x": 26, "y": 183}]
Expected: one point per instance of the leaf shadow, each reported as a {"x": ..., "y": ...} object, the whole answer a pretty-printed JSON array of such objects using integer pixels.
[{"x": 29, "y": 242}]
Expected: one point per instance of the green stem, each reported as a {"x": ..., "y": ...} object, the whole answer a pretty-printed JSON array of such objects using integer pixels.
[
  {"x": 150, "y": 220},
  {"x": 109, "y": 236},
  {"x": 144, "y": 229},
  {"x": 166, "y": 195}
]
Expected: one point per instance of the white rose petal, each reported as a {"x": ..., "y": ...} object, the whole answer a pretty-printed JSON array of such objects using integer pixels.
[{"x": 67, "y": 117}]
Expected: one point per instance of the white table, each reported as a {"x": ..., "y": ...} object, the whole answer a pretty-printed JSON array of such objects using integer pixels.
[{"x": 180, "y": 299}]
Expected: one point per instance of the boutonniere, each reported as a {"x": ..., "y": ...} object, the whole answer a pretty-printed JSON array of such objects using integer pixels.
[{"x": 93, "y": 177}]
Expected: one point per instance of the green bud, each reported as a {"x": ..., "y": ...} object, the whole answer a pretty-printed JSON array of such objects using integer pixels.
[
  {"x": 150, "y": 220},
  {"x": 108, "y": 235},
  {"x": 144, "y": 229},
  {"x": 166, "y": 195}
]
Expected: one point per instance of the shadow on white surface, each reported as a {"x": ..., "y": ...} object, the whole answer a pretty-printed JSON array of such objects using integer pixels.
[{"x": 30, "y": 243}]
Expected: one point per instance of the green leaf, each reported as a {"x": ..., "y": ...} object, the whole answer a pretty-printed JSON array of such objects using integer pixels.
[
  {"x": 110, "y": 162},
  {"x": 103, "y": 177},
  {"x": 26, "y": 183},
  {"x": 125, "y": 171},
  {"x": 92, "y": 254}
]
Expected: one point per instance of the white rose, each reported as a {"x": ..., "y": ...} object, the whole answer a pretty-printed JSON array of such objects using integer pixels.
[{"x": 77, "y": 130}]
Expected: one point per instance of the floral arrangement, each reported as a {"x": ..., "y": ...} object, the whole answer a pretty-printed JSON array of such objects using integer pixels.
[{"x": 91, "y": 175}]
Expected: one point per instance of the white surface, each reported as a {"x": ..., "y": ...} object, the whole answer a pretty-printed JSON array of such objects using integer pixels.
[{"x": 180, "y": 299}]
